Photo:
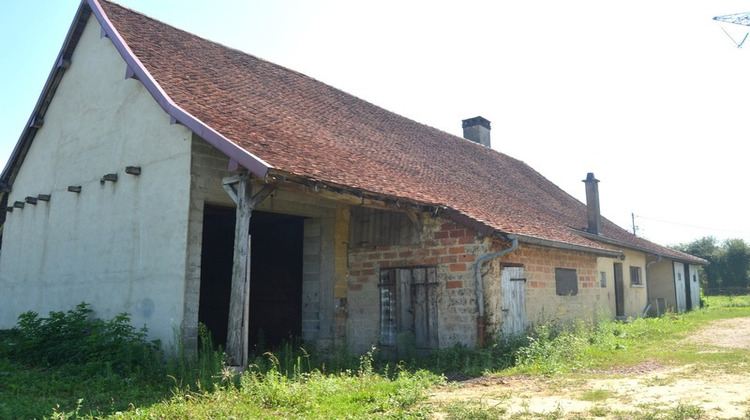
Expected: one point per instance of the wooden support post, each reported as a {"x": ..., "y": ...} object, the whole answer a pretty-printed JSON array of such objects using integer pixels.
[
  {"x": 238, "y": 326},
  {"x": 239, "y": 301}
]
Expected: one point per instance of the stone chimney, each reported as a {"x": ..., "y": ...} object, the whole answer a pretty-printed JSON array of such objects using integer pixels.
[
  {"x": 477, "y": 129},
  {"x": 592, "y": 204}
]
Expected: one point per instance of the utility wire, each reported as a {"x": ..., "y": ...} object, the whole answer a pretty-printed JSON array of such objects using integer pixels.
[{"x": 739, "y": 232}]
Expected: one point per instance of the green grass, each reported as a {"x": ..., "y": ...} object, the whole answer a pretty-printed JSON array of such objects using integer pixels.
[
  {"x": 742, "y": 301},
  {"x": 311, "y": 396},
  {"x": 471, "y": 410},
  {"x": 78, "y": 382},
  {"x": 596, "y": 395}
]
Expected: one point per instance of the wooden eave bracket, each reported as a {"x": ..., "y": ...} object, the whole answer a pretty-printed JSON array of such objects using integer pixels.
[{"x": 230, "y": 186}]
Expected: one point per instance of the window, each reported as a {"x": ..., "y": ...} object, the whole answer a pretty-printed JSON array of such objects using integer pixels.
[
  {"x": 408, "y": 306},
  {"x": 635, "y": 276},
  {"x": 566, "y": 281},
  {"x": 603, "y": 278}
]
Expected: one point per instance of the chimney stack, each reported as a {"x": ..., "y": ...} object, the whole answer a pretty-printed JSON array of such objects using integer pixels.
[
  {"x": 592, "y": 204},
  {"x": 477, "y": 129}
]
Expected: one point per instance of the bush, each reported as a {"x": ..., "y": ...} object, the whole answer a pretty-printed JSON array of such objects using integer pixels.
[{"x": 73, "y": 337}]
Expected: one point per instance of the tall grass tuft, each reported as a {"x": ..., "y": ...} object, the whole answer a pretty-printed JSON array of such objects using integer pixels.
[{"x": 202, "y": 370}]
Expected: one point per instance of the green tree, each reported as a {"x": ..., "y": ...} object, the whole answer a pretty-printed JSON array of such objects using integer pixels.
[
  {"x": 729, "y": 263},
  {"x": 735, "y": 261},
  {"x": 707, "y": 249}
]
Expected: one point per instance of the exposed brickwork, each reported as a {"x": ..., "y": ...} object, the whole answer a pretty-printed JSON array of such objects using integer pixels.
[
  {"x": 542, "y": 301},
  {"x": 451, "y": 249}
]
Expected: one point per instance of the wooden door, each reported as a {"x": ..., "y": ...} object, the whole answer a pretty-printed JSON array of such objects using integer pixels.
[
  {"x": 513, "y": 307},
  {"x": 619, "y": 291},
  {"x": 679, "y": 286},
  {"x": 688, "y": 295},
  {"x": 695, "y": 286}
]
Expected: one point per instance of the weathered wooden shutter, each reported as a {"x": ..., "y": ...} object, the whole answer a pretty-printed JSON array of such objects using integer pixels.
[
  {"x": 424, "y": 305},
  {"x": 388, "y": 311},
  {"x": 408, "y": 307}
]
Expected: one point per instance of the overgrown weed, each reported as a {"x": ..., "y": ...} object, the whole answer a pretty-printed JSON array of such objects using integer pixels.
[{"x": 119, "y": 371}]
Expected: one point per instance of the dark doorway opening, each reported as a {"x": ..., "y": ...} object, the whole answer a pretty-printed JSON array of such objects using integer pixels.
[
  {"x": 275, "y": 279},
  {"x": 217, "y": 252},
  {"x": 688, "y": 295},
  {"x": 275, "y": 276}
]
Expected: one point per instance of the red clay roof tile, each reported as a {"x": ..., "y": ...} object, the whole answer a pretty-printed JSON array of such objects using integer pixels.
[{"x": 306, "y": 128}]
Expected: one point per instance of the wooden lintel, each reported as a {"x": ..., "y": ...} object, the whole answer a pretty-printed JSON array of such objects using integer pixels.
[{"x": 345, "y": 198}]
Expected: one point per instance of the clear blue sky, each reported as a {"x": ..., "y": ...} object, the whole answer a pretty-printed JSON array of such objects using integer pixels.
[{"x": 650, "y": 96}]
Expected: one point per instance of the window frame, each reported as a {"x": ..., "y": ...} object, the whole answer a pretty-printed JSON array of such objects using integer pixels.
[
  {"x": 566, "y": 281},
  {"x": 636, "y": 275}
]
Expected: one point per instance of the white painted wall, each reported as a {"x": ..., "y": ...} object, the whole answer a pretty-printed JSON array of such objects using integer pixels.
[
  {"x": 119, "y": 246},
  {"x": 662, "y": 283},
  {"x": 695, "y": 287},
  {"x": 679, "y": 286}
]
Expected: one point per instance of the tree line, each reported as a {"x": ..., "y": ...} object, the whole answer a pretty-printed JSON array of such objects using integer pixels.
[{"x": 729, "y": 263}]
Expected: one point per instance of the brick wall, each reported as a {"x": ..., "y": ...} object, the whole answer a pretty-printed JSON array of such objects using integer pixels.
[
  {"x": 452, "y": 249},
  {"x": 542, "y": 302}
]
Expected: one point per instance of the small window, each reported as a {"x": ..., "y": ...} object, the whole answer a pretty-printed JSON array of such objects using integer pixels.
[
  {"x": 408, "y": 306},
  {"x": 566, "y": 281},
  {"x": 603, "y": 278},
  {"x": 635, "y": 276}
]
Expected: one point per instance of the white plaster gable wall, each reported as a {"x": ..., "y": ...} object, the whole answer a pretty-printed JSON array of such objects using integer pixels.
[{"x": 119, "y": 246}]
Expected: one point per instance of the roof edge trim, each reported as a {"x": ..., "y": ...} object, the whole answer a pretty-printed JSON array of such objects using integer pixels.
[
  {"x": 614, "y": 242},
  {"x": 533, "y": 240},
  {"x": 246, "y": 159}
]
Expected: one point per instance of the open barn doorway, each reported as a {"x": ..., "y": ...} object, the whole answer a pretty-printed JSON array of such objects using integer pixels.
[{"x": 275, "y": 275}]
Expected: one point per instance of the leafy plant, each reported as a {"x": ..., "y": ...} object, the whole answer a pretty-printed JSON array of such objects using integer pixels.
[{"x": 73, "y": 337}]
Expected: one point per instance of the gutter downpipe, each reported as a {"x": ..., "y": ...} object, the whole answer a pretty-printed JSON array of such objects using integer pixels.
[
  {"x": 480, "y": 287},
  {"x": 648, "y": 284}
]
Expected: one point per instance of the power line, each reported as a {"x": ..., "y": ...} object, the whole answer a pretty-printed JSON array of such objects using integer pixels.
[{"x": 738, "y": 232}]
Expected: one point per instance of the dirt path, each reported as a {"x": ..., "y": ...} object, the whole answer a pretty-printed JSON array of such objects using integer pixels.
[{"x": 646, "y": 388}]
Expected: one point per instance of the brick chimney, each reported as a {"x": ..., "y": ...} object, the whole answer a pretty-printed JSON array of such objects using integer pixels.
[
  {"x": 592, "y": 204},
  {"x": 477, "y": 129}
]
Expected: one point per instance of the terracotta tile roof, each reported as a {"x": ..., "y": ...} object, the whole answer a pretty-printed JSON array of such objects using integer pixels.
[{"x": 303, "y": 127}]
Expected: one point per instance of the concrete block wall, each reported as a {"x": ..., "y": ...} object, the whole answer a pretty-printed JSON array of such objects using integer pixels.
[
  {"x": 449, "y": 247},
  {"x": 311, "y": 279},
  {"x": 208, "y": 167}
]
